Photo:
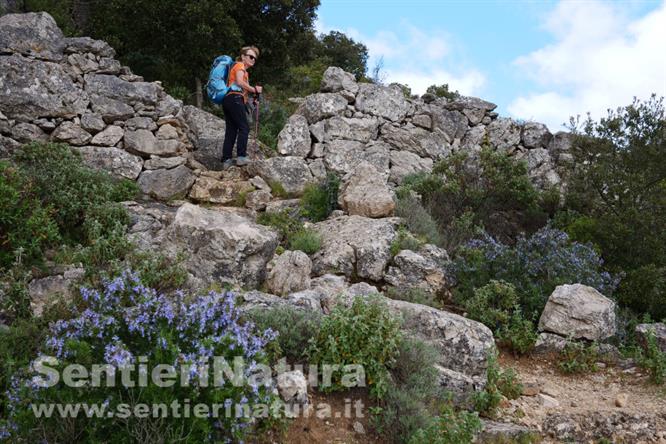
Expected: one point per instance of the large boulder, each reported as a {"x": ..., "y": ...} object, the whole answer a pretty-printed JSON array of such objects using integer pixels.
[
  {"x": 359, "y": 129},
  {"x": 31, "y": 89},
  {"x": 116, "y": 88},
  {"x": 290, "y": 272},
  {"x": 404, "y": 163},
  {"x": 167, "y": 184},
  {"x": 34, "y": 34},
  {"x": 342, "y": 156},
  {"x": 85, "y": 45},
  {"x": 578, "y": 311},
  {"x": 291, "y": 172},
  {"x": 294, "y": 139},
  {"x": 365, "y": 193},
  {"x": 418, "y": 270},
  {"x": 336, "y": 79},
  {"x": 207, "y": 135},
  {"x": 419, "y": 141},
  {"x": 323, "y": 105},
  {"x": 118, "y": 162},
  {"x": 503, "y": 134},
  {"x": 221, "y": 245},
  {"x": 355, "y": 246},
  {"x": 382, "y": 101}
]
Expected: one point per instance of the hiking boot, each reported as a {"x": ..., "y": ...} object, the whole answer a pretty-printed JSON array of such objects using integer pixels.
[
  {"x": 227, "y": 164},
  {"x": 242, "y": 161}
]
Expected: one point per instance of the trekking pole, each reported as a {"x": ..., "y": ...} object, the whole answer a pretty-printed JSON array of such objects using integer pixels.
[{"x": 257, "y": 101}]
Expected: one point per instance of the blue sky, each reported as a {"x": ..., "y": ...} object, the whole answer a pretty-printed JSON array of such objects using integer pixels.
[{"x": 537, "y": 60}]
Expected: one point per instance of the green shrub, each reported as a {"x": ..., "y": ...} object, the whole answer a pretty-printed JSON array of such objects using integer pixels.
[
  {"x": 277, "y": 189},
  {"x": 306, "y": 240},
  {"x": 292, "y": 230},
  {"x": 496, "y": 305},
  {"x": 404, "y": 241},
  {"x": 320, "y": 200},
  {"x": 578, "y": 357},
  {"x": 616, "y": 197},
  {"x": 77, "y": 193},
  {"x": 27, "y": 226},
  {"x": 15, "y": 302},
  {"x": 500, "y": 383},
  {"x": 295, "y": 327},
  {"x": 463, "y": 196},
  {"x": 362, "y": 334},
  {"x": 450, "y": 427},
  {"x": 415, "y": 295},
  {"x": 413, "y": 395},
  {"x": 653, "y": 359},
  {"x": 417, "y": 219}
]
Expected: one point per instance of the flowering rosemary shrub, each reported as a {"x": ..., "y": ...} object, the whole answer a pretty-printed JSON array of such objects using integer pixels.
[
  {"x": 127, "y": 324},
  {"x": 534, "y": 266}
]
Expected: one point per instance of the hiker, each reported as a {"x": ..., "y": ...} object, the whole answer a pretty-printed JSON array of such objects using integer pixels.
[{"x": 234, "y": 108}]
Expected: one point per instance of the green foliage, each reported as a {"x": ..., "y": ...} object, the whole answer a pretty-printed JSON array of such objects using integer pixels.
[
  {"x": 442, "y": 91},
  {"x": 339, "y": 50},
  {"x": 27, "y": 226},
  {"x": 462, "y": 197},
  {"x": 579, "y": 357},
  {"x": 404, "y": 241},
  {"x": 417, "y": 219},
  {"x": 653, "y": 359},
  {"x": 616, "y": 197},
  {"x": 450, "y": 427},
  {"x": 277, "y": 189},
  {"x": 295, "y": 235},
  {"x": 362, "y": 334},
  {"x": 413, "y": 394},
  {"x": 295, "y": 328},
  {"x": 496, "y": 305},
  {"x": 415, "y": 295},
  {"x": 306, "y": 240},
  {"x": 272, "y": 117},
  {"x": 500, "y": 383},
  {"x": 15, "y": 302},
  {"x": 320, "y": 200},
  {"x": 80, "y": 194}
]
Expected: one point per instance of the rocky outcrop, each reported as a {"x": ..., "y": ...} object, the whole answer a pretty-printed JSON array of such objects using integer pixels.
[{"x": 578, "y": 311}]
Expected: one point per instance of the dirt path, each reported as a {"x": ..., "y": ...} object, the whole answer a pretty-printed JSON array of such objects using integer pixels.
[{"x": 595, "y": 403}]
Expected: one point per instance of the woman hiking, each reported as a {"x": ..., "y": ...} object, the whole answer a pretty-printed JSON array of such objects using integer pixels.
[{"x": 234, "y": 108}]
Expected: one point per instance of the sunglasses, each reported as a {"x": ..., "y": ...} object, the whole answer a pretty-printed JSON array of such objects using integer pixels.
[{"x": 251, "y": 56}]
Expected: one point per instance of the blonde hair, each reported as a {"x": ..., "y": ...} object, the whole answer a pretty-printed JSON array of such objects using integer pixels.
[{"x": 244, "y": 51}]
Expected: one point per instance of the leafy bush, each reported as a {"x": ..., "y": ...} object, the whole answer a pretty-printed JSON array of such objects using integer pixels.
[
  {"x": 653, "y": 359},
  {"x": 500, "y": 383},
  {"x": 534, "y": 266},
  {"x": 413, "y": 395},
  {"x": 415, "y": 295},
  {"x": 306, "y": 240},
  {"x": 496, "y": 305},
  {"x": 320, "y": 200},
  {"x": 417, "y": 219},
  {"x": 450, "y": 427},
  {"x": 616, "y": 198},
  {"x": 579, "y": 357},
  {"x": 442, "y": 91},
  {"x": 79, "y": 194},
  {"x": 404, "y": 241},
  {"x": 27, "y": 226},
  {"x": 292, "y": 230},
  {"x": 495, "y": 194},
  {"x": 295, "y": 328},
  {"x": 362, "y": 334},
  {"x": 125, "y": 324}
]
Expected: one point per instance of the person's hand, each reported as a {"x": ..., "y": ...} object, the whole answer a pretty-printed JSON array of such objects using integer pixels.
[{"x": 258, "y": 89}]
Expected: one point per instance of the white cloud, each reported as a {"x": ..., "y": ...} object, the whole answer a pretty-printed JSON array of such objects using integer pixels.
[
  {"x": 416, "y": 58},
  {"x": 599, "y": 60}
]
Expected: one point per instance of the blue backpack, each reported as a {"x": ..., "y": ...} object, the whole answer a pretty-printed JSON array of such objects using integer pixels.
[{"x": 217, "y": 88}]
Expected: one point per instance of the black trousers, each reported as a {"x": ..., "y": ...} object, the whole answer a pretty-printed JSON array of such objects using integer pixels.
[{"x": 236, "y": 126}]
